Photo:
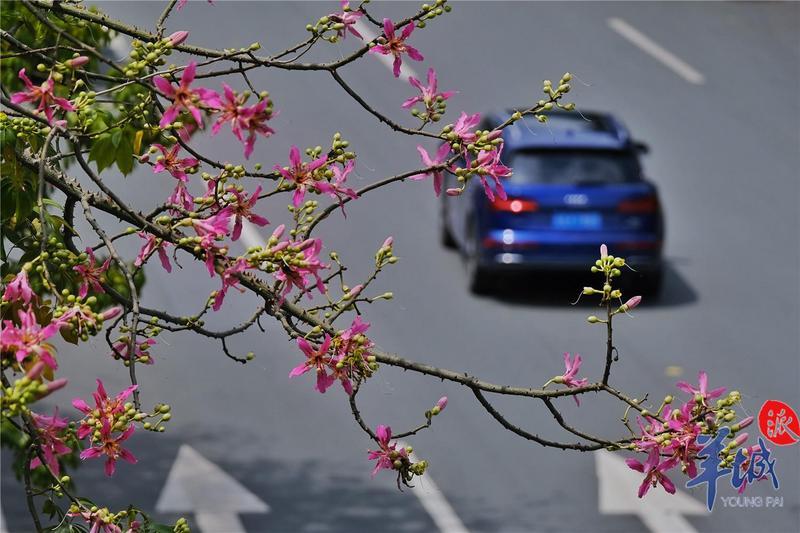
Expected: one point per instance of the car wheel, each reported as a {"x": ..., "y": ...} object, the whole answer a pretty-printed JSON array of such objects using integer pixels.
[
  {"x": 445, "y": 236},
  {"x": 478, "y": 280}
]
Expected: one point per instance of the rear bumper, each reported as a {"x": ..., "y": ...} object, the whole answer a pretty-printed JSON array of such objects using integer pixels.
[{"x": 642, "y": 254}]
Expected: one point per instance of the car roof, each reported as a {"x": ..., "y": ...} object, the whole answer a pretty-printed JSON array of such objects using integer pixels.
[{"x": 564, "y": 129}]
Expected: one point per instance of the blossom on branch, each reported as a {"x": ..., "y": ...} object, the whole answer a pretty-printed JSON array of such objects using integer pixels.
[
  {"x": 90, "y": 274},
  {"x": 251, "y": 120},
  {"x": 318, "y": 359},
  {"x": 396, "y": 45},
  {"x": 438, "y": 159},
  {"x": 301, "y": 174},
  {"x": 387, "y": 453},
  {"x": 105, "y": 408},
  {"x": 50, "y": 440},
  {"x": 654, "y": 469},
  {"x": 29, "y": 338},
  {"x": 153, "y": 244},
  {"x": 19, "y": 289},
  {"x": 242, "y": 208},
  {"x": 230, "y": 279},
  {"x": 169, "y": 161},
  {"x": 489, "y": 165},
  {"x": 348, "y": 19},
  {"x": 428, "y": 95},
  {"x": 184, "y": 98},
  {"x": 701, "y": 393},
  {"x": 111, "y": 447},
  {"x": 43, "y": 94}
]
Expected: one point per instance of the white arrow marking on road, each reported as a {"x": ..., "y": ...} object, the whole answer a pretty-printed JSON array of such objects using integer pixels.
[
  {"x": 435, "y": 503},
  {"x": 660, "y": 512},
  {"x": 369, "y": 34},
  {"x": 656, "y": 51},
  {"x": 3, "y": 522},
  {"x": 197, "y": 485}
]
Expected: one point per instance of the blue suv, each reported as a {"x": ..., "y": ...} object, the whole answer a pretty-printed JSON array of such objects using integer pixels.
[{"x": 577, "y": 183}]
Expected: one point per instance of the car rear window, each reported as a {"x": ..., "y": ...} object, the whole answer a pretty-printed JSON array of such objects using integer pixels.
[{"x": 572, "y": 167}]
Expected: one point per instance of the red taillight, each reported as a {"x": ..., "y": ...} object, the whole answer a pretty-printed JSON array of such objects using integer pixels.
[
  {"x": 648, "y": 204},
  {"x": 514, "y": 205}
]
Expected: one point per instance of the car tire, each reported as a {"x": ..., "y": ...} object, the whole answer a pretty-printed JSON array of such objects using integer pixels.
[{"x": 478, "y": 280}]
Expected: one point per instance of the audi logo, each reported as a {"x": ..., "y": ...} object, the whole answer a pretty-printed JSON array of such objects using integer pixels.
[{"x": 576, "y": 199}]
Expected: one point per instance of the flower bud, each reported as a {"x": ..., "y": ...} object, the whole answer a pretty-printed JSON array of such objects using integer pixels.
[
  {"x": 111, "y": 313},
  {"x": 592, "y": 319},
  {"x": 442, "y": 403},
  {"x": 744, "y": 423},
  {"x": 739, "y": 440},
  {"x": 178, "y": 37},
  {"x": 388, "y": 242},
  {"x": 603, "y": 251},
  {"x": 55, "y": 385},
  {"x": 76, "y": 62},
  {"x": 453, "y": 192}
]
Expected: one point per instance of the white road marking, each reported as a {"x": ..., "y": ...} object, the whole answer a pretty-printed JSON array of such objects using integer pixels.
[
  {"x": 435, "y": 503},
  {"x": 655, "y": 50},
  {"x": 196, "y": 485},
  {"x": 367, "y": 31},
  {"x": 660, "y": 512},
  {"x": 3, "y": 522}
]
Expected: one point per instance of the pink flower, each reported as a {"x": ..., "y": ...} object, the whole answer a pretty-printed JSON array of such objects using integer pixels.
[
  {"x": 210, "y": 230},
  {"x": 603, "y": 251},
  {"x": 438, "y": 175},
  {"x": 121, "y": 350},
  {"x": 294, "y": 275},
  {"x": 301, "y": 174},
  {"x": 181, "y": 196},
  {"x": 184, "y": 98},
  {"x": 29, "y": 338},
  {"x": 442, "y": 403},
  {"x": 242, "y": 208},
  {"x": 336, "y": 188},
  {"x": 250, "y": 119},
  {"x": 655, "y": 471},
  {"x": 489, "y": 165},
  {"x": 464, "y": 126},
  {"x": 429, "y": 94},
  {"x": 572, "y": 368},
  {"x": 153, "y": 244},
  {"x": 107, "y": 408},
  {"x": 318, "y": 359},
  {"x": 230, "y": 279},
  {"x": 169, "y": 161},
  {"x": 348, "y": 18},
  {"x": 702, "y": 390},
  {"x": 43, "y": 95},
  {"x": 90, "y": 274},
  {"x": 102, "y": 520},
  {"x": 397, "y": 46},
  {"x": 111, "y": 447},
  {"x": 19, "y": 289},
  {"x": 387, "y": 453},
  {"x": 50, "y": 440}
]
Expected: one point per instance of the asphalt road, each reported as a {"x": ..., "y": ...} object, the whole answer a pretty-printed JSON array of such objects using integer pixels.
[{"x": 725, "y": 154}]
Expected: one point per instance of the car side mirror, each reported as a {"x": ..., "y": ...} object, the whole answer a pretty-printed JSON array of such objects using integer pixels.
[{"x": 641, "y": 147}]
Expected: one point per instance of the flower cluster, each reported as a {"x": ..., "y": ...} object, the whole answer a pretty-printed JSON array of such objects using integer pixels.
[
  {"x": 345, "y": 357},
  {"x": 44, "y": 96},
  {"x": 246, "y": 122},
  {"x": 107, "y": 425},
  {"x": 670, "y": 435},
  {"x": 390, "y": 456}
]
